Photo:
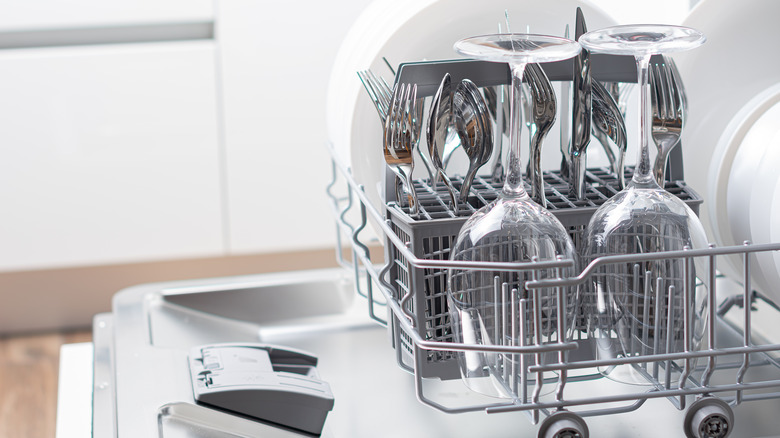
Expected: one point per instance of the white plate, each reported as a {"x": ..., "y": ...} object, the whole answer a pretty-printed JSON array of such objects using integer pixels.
[
  {"x": 765, "y": 196},
  {"x": 405, "y": 31},
  {"x": 752, "y": 138},
  {"x": 727, "y": 82}
]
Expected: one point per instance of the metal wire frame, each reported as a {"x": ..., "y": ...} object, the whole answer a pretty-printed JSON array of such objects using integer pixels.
[{"x": 687, "y": 385}]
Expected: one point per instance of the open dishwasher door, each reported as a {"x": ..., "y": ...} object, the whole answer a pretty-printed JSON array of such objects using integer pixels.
[{"x": 142, "y": 384}]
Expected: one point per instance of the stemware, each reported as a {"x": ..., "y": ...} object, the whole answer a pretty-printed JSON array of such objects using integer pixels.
[
  {"x": 486, "y": 306},
  {"x": 651, "y": 307}
]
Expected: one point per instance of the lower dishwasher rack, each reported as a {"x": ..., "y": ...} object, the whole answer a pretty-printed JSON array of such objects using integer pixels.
[{"x": 736, "y": 363}]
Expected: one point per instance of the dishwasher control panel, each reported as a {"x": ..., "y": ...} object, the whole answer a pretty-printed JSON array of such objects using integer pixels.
[{"x": 260, "y": 381}]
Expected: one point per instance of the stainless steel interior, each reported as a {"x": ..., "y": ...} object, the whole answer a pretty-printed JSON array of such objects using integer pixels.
[{"x": 142, "y": 386}]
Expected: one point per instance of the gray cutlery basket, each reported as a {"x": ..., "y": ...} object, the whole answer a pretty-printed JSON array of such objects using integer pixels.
[{"x": 430, "y": 235}]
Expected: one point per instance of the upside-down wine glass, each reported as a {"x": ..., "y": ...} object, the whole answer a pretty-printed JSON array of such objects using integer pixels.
[
  {"x": 492, "y": 307},
  {"x": 638, "y": 308}
]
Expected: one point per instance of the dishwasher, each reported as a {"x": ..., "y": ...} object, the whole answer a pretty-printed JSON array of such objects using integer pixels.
[
  {"x": 390, "y": 375},
  {"x": 378, "y": 350},
  {"x": 368, "y": 349}
]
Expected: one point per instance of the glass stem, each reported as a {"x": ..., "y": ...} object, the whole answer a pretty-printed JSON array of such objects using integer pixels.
[
  {"x": 643, "y": 173},
  {"x": 513, "y": 184}
]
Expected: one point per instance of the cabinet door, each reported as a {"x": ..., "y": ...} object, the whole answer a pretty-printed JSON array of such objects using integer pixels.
[
  {"x": 32, "y": 15},
  {"x": 275, "y": 67},
  {"x": 108, "y": 154}
]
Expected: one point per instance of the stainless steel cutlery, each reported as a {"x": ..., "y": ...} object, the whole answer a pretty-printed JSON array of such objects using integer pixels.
[
  {"x": 581, "y": 112},
  {"x": 439, "y": 122},
  {"x": 542, "y": 112},
  {"x": 565, "y": 132},
  {"x": 378, "y": 90},
  {"x": 498, "y": 105},
  {"x": 475, "y": 130},
  {"x": 402, "y": 134},
  {"x": 476, "y": 119},
  {"x": 608, "y": 122},
  {"x": 668, "y": 102}
]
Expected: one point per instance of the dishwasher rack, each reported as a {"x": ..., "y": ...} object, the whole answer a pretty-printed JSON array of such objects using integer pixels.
[{"x": 735, "y": 365}]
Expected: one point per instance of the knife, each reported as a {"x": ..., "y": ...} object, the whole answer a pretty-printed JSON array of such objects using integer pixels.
[
  {"x": 565, "y": 119},
  {"x": 581, "y": 112}
]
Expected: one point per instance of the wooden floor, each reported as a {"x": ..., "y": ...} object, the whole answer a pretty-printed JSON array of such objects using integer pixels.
[
  {"x": 29, "y": 364},
  {"x": 29, "y": 367}
]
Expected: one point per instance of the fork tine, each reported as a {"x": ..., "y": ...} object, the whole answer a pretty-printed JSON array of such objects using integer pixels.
[
  {"x": 372, "y": 81},
  {"x": 364, "y": 80},
  {"x": 670, "y": 107},
  {"x": 388, "y": 128},
  {"x": 406, "y": 131},
  {"x": 378, "y": 102},
  {"x": 413, "y": 116},
  {"x": 398, "y": 118},
  {"x": 538, "y": 80},
  {"x": 549, "y": 92},
  {"x": 384, "y": 85},
  {"x": 543, "y": 113},
  {"x": 533, "y": 81},
  {"x": 675, "y": 99},
  {"x": 381, "y": 84},
  {"x": 382, "y": 90},
  {"x": 407, "y": 119},
  {"x": 669, "y": 98},
  {"x": 392, "y": 123},
  {"x": 666, "y": 90},
  {"x": 678, "y": 85},
  {"x": 655, "y": 94}
]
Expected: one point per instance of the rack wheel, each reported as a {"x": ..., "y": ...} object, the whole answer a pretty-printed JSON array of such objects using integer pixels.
[
  {"x": 708, "y": 417},
  {"x": 563, "y": 424}
]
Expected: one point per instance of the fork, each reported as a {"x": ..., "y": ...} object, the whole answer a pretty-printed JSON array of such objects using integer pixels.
[
  {"x": 543, "y": 113},
  {"x": 381, "y": 94},
  {"x": 609, "y": 123},
  {"x": 402, "y": 131},
  {"x": 526, "y": 100},
  {"x": 668, "y": 101},
  {"x": 378, "y": 90}
]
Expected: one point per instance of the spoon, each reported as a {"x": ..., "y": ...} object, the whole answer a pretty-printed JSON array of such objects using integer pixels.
[
  {"x": 474, "y": 129},
  {"x": 439, "y": 123},
  {"x": 451, "y": 144}
]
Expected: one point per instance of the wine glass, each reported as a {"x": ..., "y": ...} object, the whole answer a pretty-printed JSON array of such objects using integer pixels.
[
  {"x": 639, "y": 309},
  {"x": 491, "y": 307}
]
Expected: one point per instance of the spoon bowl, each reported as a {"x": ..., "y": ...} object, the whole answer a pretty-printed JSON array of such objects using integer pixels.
[{"x": 474, "y": 129}]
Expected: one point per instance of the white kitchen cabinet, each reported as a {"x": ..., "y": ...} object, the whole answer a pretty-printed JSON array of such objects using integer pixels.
[
  {"x": 109, "y": 154},
  {"x": 31, "y": 15},
  {"x": 275, "y": 64},
  {"x": 164, "y": 150},
  {"x": 171, "y": 131}
]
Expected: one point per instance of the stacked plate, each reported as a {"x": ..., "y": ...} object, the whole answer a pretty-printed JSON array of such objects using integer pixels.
[{"x": 732, "y": 135}]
